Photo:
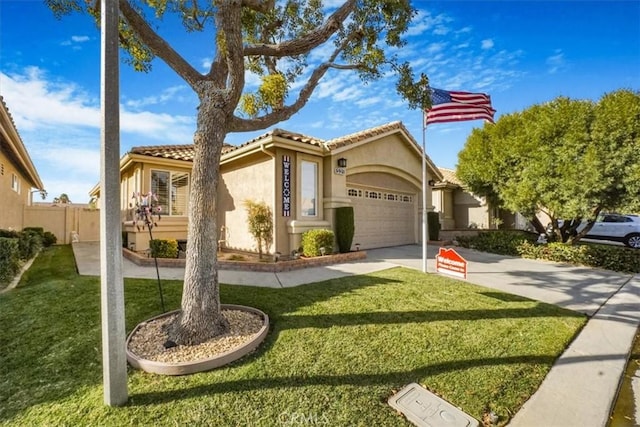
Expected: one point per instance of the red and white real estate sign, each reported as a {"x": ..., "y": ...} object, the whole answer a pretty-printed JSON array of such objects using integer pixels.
[{"x": 448, "y": 261}]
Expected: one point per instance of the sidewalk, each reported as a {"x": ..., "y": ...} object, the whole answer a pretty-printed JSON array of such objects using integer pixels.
[{"x": 581, "y": 387}]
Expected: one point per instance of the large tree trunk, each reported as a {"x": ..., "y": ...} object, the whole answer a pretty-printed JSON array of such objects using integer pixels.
[{"x": 200, "y": 318}]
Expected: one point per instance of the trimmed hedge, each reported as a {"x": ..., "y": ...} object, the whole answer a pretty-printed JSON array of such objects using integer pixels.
[
  {"x": 29, "y": 243},
  {"x": 313, "y": 240},
  {"x": 49, "y": 239},
  {"x": 497, "y": 242},
  {"x": 433, "y": 225},
  {"x": 345, "y": 228},
  {"x": 9, "y": 259},
  {"x": 617, "y": 258},
  {"x": 519, "y": 243},
  {"x": 161, "y": 248}
]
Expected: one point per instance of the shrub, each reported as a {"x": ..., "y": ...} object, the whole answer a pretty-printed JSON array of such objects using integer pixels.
[
  {"x": 10, "y": 234},
  {"x": 29, "y": 243},
  {"x": 345, "y": 228},
  {"x": 37, "y": 230},
  {"x": 161, "y": 248},
  {"x": 260, "y": 221},
  {"x": 602, "y": 256},
  {"x": 433, "y": 225},
  {"x": 313, "y": 240},
  {"x": 498, "y": 242},
  {"x": 9, "y": 259},
  {"x": 49, "y": 239}
]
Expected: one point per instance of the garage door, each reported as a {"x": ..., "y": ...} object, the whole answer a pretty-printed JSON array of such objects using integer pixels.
[{"x": 383, "y": 218}]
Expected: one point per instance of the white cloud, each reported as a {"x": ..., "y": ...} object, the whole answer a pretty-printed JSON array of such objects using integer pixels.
[
  {"x": 170, "y": 94},
  {"x": 556, "y": 62},
  {"x": 80, "y": 39},
  {"x": 424, "y": 22},
  {"x": 486, "y": 44}
]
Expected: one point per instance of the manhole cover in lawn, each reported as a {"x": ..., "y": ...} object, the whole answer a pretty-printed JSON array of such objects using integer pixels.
[{"x": 425, "y": 409}]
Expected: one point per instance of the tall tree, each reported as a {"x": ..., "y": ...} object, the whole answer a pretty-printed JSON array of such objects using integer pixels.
[
  {"x": 568, "y": 158},
  {"x": 272, "y": 39}
]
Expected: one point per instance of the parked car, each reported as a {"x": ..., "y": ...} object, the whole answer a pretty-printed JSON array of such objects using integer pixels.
[
  {"x": 614, "y": 227},
  {"x": 617, "y": 227}
]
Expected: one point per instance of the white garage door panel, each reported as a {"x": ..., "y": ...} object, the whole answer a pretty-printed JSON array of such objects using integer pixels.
[{"x": 380, "y": 223}]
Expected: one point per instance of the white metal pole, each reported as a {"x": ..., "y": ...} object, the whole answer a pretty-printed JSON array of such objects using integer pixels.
[
  {"x": 425, "y": 244},
  {"x": 114, "y": 359}
]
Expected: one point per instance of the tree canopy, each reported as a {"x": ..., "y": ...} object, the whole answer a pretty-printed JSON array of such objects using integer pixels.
[
  {"x": 570, "y": 159},
  {"x": 290, "y": 45}
]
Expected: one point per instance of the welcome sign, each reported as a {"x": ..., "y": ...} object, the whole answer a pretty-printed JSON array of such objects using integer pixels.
[
  {"x": 286, "y": 186},
  {"x": 448, "y": 261}
]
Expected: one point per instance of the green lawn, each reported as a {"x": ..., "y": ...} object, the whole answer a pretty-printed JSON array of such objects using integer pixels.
[{"x": 336, "y": 351}]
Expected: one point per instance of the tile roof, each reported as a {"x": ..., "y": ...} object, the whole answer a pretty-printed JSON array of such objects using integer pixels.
[
  {"x": 175, "y": 152},
  {"x": 450, "y": 176},
  {"x": 362, "y": 135},
  {"x": 186, "y": 152}
]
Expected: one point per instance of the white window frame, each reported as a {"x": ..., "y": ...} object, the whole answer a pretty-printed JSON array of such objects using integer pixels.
[
  {"x": 15, "y": 183},
  {"x": 300, "y": 159},
  {"x": 166, "y": 210}
]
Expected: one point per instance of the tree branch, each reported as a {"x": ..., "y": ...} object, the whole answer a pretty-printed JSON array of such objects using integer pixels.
[
  {"x": 238, "y": 124},
  {"x": 309, "y": 41},
  {"x": 158, "y": 45},
  {"x": 231, "y": 24},
  {"x": 258, "y": 5}
]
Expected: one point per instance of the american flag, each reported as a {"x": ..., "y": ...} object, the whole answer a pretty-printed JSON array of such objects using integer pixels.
[{"x": 452, "y": 106}]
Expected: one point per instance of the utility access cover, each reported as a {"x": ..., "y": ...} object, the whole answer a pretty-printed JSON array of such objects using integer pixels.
[{"x": 425, "y": 409}]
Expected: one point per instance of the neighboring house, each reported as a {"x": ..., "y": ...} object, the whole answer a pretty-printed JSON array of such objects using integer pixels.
[
  {"x": 304, "y": 179},
  {"x": 461, "y": 209},
  {"x": 18, "y": 175}
]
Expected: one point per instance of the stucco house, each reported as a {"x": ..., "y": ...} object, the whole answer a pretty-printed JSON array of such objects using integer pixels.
[
  {"x": 18, "y": 175},
  {"x": 460, "y": 209},
  {"x": 304, "y": 179}
]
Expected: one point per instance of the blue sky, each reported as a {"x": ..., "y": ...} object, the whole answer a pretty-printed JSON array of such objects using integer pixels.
[{"x": 519, "y": 52}]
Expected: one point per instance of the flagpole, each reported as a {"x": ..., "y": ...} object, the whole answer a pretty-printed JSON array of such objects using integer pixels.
[{"x": 425, "y": 244}]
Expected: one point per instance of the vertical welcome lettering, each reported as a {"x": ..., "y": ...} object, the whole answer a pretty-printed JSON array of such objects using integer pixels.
[{"x": 286, "y": 186}]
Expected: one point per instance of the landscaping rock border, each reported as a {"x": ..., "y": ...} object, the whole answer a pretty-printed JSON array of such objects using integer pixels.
[{"x": 191, "y": 367}]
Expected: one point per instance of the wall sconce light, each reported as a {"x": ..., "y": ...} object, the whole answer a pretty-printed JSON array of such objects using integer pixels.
[
  {"x": 431, "y": 183},
  {"x": 342, "y": 162}
]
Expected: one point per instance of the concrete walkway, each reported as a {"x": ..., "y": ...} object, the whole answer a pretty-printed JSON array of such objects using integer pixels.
[{"x": 581, "y": 387}]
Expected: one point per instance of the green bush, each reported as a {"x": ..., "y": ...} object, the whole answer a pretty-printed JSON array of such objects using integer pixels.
[
  {"x": 29, "y": 243},
  {"x": 260, "y": 222},
  {"x": 614, "y": 258},
  {"x": 313, "y": 240},
  {"x": 345, "y": 228},
  {"x": 161, "y": 248},
  {"x": 503, "y": 242},
  {"x": 10, "y": 234},
  {"x": 9, "y": 259},
  {"x": 49, "y": 239},
  {"x": 37, "y": 230},
  {"x": 433, "y": 225}
]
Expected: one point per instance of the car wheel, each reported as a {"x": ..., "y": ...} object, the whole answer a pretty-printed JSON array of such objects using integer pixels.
[{"x": 633, "y": 240}]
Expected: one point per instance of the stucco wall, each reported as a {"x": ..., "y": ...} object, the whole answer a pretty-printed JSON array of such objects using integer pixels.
[
  {"x": 12, "y": 203},
  {"x": 64, "y": 221},
  {"x": 252, "y": 180}
]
